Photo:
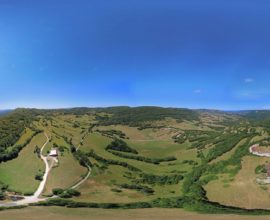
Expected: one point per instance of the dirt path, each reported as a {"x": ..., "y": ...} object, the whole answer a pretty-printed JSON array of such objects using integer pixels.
[
  {"x": 36, "y": 197},
  {"x": 84, "y": 179}
]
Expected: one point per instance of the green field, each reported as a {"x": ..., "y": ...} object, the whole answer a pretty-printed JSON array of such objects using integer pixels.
[
  {"x": 153, "y": 157},
  {"x": 19, "y": 174},
  {"x": 58, "y": 213}
]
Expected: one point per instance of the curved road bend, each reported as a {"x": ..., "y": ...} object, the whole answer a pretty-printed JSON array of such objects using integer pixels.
[{"x": 84, "y": 179}]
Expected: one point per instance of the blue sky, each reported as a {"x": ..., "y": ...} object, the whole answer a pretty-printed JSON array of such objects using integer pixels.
[{"x": 178, "y": 53}]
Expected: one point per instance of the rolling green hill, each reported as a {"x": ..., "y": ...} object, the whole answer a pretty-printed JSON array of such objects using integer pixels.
[{"x": 123, "y": 157}]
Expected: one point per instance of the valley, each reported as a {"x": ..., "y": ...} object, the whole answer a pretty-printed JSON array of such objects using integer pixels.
[{"x": 144, "y": 157}]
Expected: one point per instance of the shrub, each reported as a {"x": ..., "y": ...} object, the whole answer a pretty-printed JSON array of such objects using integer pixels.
[
  {"x": 120, "y": 145},
  {"x": 57, "y": 191},
  {"x": 39, "y": 176}
]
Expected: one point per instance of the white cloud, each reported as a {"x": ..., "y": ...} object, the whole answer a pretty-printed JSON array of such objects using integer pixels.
[
  {"x": 197, "y": 91},
  {"x": 257, "y": 93},
  {"x": 248, "y": 80},
  {"x": 265, "y": 107}
]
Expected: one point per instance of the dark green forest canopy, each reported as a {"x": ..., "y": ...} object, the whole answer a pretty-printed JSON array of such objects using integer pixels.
[
  {"x": 138, "y": 115},
  {"x": 133, "y": 116},
  {"x": 12, "y": 125}
]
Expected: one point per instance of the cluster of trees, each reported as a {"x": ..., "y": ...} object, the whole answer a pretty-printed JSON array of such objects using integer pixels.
[
  {"x": 76, "y": 124},
  {"x": 112, "y": 162},
  {"x": 138, "y": 116},
  {"x": 234, "y": 160},
  {"x": 193, "y": 191},
  {"x": 179, "y": 138},
  {"x": 73, "y": 204},
  {"x": 158, "y": 180},
  {"x": 144, "y": 189},
  {"x": 198, "y": 138},
  {"x": 226, "y": 145},
  {"x": 174, "y": 202},
  {"x": 12, "y": 126},
  {"x": 37, "y": 151},
  {"x": 203, "y": 206},
  {"x": 198, "y": 135},
  {"x": 147, "y": 125},
  {"x": 112, "y": 133},
  {"x": 190, "y": 162},
  {"x": 144, "y": 159},
  {"x": 260, "y": 169},
  {"x": 39, "y": 175},
  {"x": 120, "y": 145},
  {"x": 81, "y": 157},
  {"x": 68, "y": 140},
  {"x": 13, "y": 152},
  {"x": 3, "y": 188},
  {"x": 2, "y": 195}
]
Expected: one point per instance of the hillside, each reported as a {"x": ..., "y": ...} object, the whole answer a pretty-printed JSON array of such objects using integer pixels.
[{"x": 123, "y": 157}]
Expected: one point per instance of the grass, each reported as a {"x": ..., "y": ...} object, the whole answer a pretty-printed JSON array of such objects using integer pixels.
[
  {"x": 68, "y": 171},
  {"x": 99, "y": 187},
  {"x": 66, "y": 174},
  {"x": 20, "y": 173},
  {"x": 243, "y": 191},
  {"x": 240, "y": 190},
  {"x": 98, "y": 143},
  {"x": 59, "y": 213},
  {"x": 227, "y": 155}
]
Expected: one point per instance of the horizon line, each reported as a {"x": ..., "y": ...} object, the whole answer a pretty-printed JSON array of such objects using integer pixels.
[{"x": 133, "y": 106}]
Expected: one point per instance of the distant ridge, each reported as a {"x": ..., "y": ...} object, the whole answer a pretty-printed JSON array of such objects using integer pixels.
[{"x": 4, "y": 112}]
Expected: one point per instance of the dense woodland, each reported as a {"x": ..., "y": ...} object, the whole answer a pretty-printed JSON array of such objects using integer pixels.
[
  {"x": 12, "y": 126},
  {"x": 141, "y": 115}
]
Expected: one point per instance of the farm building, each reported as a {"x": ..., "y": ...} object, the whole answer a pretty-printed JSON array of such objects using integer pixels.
[{"x": 53, "y": 153}]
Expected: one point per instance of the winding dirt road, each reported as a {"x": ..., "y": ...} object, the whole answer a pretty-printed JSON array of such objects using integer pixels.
[
  {"x": 84, "y": 179},
  {"x": 36, "y": 197}
]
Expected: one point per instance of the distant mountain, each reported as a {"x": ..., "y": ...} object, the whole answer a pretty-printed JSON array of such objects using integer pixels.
[
  {"x": 4, "y": 112},
  {"x": 256, "y": 115}
]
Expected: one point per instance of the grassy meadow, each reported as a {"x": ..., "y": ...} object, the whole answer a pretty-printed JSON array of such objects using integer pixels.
[
  {"x": 19, "y": 174},
  {"x": 146, "y": 158}
]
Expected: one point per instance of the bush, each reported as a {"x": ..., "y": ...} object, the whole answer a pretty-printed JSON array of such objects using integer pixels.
[
  {"x": 57, "y": 191},
  {"x": 2, "y": 195},
  {"x": 140, "y": 188},
  {"x": 260, "y": 169},
  {"x": 39, "y": 176},
  {"x": 144, "y": 159},
  {"x": 159, "y": 180},
  {"x": 120, "y": 145},
  {"x": 69, "y": 193},
  {"x": 73, "y": 192},
  {"x": 112, "y": 162}
]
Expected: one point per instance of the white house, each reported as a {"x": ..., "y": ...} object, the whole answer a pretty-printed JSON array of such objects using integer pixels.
[{"x": 53, "y": 153}]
